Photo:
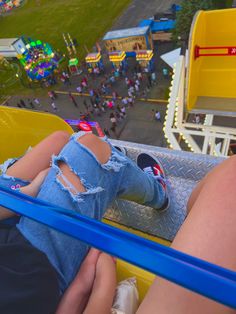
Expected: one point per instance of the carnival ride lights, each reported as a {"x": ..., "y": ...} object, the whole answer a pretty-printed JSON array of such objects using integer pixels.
[
  {"x": 38, "y": 60},
  {"x": 7, "y": 5}
]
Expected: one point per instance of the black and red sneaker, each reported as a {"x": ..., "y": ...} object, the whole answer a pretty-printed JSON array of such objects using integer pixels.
[{"x": 152, "y": 166}]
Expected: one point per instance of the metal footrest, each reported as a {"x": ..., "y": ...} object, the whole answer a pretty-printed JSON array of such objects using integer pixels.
[{"x": 184, "y": 170}]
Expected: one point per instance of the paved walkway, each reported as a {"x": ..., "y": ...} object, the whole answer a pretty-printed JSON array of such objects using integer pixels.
[
  {"x": 142, "y": 9},
  {"x": 139, "y": 126}
]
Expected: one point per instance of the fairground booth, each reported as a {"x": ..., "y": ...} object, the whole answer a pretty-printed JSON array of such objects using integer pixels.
[
  {"x": 129, "y": 40},
  {"x": 74, "y": 66},
  {"x": 161, "y": 30},
  {"x": 118, "y": 59},
  {"x": 94, "y": 60},
  {"x": 145, "y": 59}
]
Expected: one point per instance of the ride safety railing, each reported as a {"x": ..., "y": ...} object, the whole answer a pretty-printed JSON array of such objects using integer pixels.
[
  {"x": 207, "y": 279},
  {"x": 214, "y": 51}
]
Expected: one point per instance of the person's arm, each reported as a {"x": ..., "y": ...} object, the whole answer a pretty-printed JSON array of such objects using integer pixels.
[{"x": 30, "y": 189}]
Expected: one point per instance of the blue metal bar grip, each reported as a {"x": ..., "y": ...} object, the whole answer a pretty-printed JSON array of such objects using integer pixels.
[{"x": 212, "y": 281}]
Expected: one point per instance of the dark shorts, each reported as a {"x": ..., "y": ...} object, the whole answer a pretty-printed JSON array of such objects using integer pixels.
[{"x": 28, "y": 282}]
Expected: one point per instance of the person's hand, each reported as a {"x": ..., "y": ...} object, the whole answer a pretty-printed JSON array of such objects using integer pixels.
[
  {"x": 33, "y": 188},
  {"x": 77, "y": 294}
]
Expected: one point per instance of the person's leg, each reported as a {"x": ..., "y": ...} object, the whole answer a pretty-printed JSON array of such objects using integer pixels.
[
  {"x": 34, "y": 164},
  {"x": 195, "y": 193},
  {"x": 100, "y": 149},
  {"x": 30, "y": 189},
  {"x": 66, "y": 184},
  {"x": 208, "y": 233},
  {"x": 38, "y": 159},
  {"x": 124, "y": 173},
  {"x": 86, "y": 177}
]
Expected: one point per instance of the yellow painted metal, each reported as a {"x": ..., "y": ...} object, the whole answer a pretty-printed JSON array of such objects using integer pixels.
[
  {"x": 21, "y": 128},
  {"x": 212, "y": 78},
  {"x": 126, "y": 270}
]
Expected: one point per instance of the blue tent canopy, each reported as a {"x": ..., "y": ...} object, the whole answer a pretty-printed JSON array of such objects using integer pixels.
[{"x": 158, "y": 26}]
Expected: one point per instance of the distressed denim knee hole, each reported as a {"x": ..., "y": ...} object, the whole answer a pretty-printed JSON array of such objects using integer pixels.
[
  {"x": 69, "y": 179},
  {"x": 67, "y": 185},
  {"x": 116, "y": 160}
]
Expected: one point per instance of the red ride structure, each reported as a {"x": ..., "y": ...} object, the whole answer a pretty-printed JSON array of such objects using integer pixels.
[{"x": 214, "y": 51}]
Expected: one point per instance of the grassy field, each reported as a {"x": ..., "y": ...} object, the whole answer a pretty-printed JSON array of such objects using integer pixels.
[{"x": 46, "y": 20}]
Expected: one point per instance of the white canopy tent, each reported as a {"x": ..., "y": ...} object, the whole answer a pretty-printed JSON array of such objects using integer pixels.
[{"x": 171, "y": 57}]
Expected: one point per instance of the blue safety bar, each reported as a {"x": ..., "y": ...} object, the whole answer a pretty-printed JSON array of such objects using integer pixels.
[{"x": 192, "y": 273}]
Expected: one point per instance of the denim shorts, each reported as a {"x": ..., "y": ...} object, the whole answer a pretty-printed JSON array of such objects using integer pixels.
[
  {"x": 9, "y": 181},
  {"x": 119, "y": 177}
]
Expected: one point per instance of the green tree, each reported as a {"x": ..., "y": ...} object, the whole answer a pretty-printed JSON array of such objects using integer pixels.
[
  {"x": 222, "y": 4},
  {"x": 185, "y": 16}
]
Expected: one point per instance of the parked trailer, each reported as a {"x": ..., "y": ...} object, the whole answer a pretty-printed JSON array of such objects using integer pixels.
[{"x": 11, "y": 47}]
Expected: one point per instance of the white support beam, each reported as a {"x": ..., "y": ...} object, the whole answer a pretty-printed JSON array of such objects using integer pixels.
[
  {"x": 225, "y": 146},
  {"x": 192, "y": 144},
  {"x": 171, "y": 107},
  {"x": 205, "y": 144},
  {"x": 213, "y": 128},
  {"x": 200, "y": 133},
  {"x": 208, "y": 121},
  {"x": 212, "y": 145},
  {"x": 180, "y": 100}
]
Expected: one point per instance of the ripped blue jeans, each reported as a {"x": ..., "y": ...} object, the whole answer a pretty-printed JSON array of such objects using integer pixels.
[{"x": 119, "y": 177}]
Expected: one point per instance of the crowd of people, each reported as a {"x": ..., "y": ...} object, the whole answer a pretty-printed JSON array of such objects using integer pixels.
[
  {"x": 109, "y": 93},
  {"x": 101, "y": 88}
]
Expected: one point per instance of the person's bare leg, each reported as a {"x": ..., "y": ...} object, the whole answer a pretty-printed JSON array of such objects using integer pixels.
[
  {"x": 102, "y": 151},
  {"x": 101, "y": 298},
  {"x": 38, "y": 159},
  {"x": 35, "y": 164},
  {"x": 195, "y": 193},
  {"x": 76, "y": 296},
  {"x": 99, "y": 148},
  {"x": 208, "y": 233},
  {"x": 30, "y": 189}
]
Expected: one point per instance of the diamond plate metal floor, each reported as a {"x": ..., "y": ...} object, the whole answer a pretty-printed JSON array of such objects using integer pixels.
[{"x": 183, "y": 170}]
